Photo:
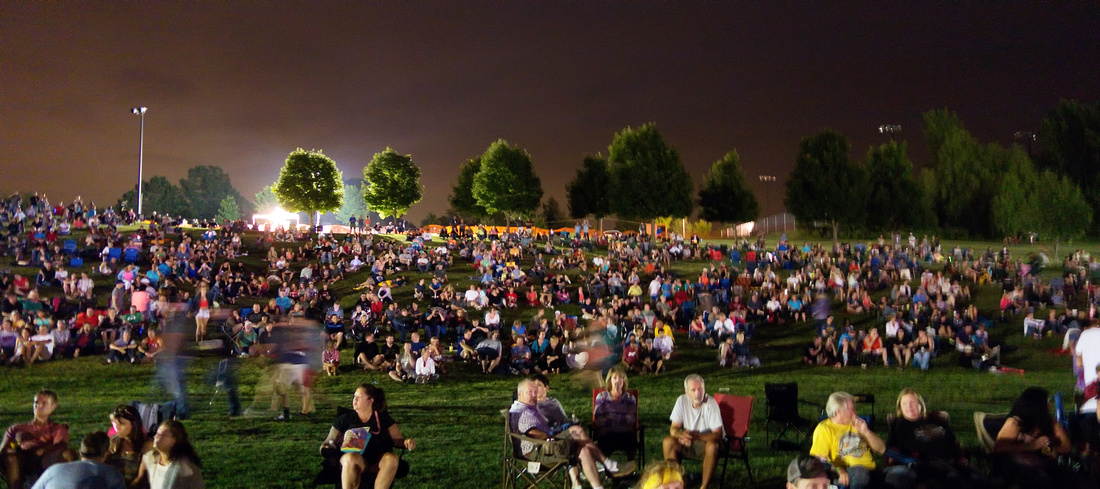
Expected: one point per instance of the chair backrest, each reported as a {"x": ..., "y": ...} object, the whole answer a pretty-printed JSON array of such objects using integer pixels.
[
  {"x": 782, "y": 401},
  {"x": 987, "y": 426},
  {"x": 736, "y": 414},
  {"x": 633, "y": 392}
]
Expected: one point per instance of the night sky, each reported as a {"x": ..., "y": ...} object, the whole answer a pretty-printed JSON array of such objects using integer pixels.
[{"x": 242, "y": 84}]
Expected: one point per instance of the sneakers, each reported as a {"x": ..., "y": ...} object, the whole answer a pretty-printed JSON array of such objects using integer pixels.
[
  {"x": 616, "y": 469},
  {"x": 285, "y": 416}
]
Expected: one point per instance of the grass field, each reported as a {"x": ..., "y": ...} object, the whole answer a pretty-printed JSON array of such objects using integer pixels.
[{"x": 457, "y": 422}]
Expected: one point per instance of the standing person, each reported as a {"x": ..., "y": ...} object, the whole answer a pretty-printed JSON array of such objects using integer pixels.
[
  {"x": 696, "y": 427},
  {"x": 845, "y": 441},
  {"x": 89, "y": 473},
  {"x": 173, "y": 463},
  {"x": 1087, "y": 358},
  {"x": 369, "y": 414},
  {"x": 201, "y": 304},
  {"x": 29, "y": 448}
]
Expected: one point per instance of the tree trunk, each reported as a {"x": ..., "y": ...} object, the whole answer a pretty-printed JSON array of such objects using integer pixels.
[
  {"x": 1056, "y": 258},
  {"x": 836, "y": 241}
]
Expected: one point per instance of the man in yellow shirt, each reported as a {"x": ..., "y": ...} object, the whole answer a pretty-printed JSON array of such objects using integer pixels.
[{"x": 845, "y": 441}]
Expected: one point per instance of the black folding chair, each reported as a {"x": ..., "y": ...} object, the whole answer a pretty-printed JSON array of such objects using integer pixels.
[{"x": 783, "y": 415}]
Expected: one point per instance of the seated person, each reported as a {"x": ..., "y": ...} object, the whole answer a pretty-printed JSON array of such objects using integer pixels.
[
  {"x": 526, "y": 419},
  {"x": 873, "y": 349},
  {"x": 29, "y": 448},
  {"x": 615, "y": 415},
  {"x": 696, "y": 429},
  {"x": 521, "y": 356},
  {"x": 1030, "y": 443},
  {"x": 929, "y": 440},
  {"x": 807, "y": 472},
  {"x": 845, "y": 441},
  {"x": 376, "y": 456},
  {"x": 367, "y": 353}
]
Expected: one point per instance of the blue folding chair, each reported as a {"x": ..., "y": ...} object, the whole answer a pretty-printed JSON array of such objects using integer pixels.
[
  {"x": 131, "y": 255},
  {"x": 76, "y": 262},
  {"x": 70, "y": 247},
  {"x": 114, "y": 253}
]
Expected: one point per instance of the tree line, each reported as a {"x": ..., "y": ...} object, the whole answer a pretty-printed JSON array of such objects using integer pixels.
[{"x": 967, "y": 189}]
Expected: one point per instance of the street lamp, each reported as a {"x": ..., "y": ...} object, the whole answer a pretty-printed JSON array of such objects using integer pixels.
[
  {"x": 889, "y": 129},
  {"x": 767, "y": 193},
  {"x": 141, "y": 151}
]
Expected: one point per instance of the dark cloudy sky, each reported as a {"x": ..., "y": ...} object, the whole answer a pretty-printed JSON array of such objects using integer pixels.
[{"x": 242, "y": 84}]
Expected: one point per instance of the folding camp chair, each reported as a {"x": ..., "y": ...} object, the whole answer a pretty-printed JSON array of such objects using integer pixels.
[
  {"x": 783, "y": 413},
  {"x": 736, "y": 415},
  {"x": 520, "y": 471},
  {"x": 69, "y": 247}
]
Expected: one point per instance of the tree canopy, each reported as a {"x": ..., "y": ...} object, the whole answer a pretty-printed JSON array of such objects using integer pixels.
[
  {"x": 158, "y": 195},
  {"x": 895, "y": 198},
  {"x": 228, "y": 210},
  {"x": 391, "y": 184},
  {"x": 588, "y": 192},
  {"x": 309, "y": 182},
  {"x": 647, "y": 178},
  {"x": 462, "y": 194},
  {"x": 507, "y": 181},
  {"x": 205, "y": 187},
  {"x": 353, "y": 201},
  {"x": 265, "y": 201},
  {"x": 724, "y": 196},
  {"x": 1043, "y": 202},
  {"x": 825, "y": 185}
]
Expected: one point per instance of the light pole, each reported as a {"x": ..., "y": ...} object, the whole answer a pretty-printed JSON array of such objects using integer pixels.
[
  {"x": 889, "y": 129},
  {"x": 767, "y": 179},
  {"x": 141, "y": 151},
  {"x": 1029, "y": 136}
]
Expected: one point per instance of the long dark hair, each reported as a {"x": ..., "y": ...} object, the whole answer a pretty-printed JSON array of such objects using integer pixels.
[
  {"x": 137, "y": 427},
  {"x": 1033, "y": 411},
  {"x": 182, "y": 448},
  {"x": 377, "y": 394}
]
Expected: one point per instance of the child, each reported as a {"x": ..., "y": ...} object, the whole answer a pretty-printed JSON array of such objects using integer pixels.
[{"x": 330, "y": 357}]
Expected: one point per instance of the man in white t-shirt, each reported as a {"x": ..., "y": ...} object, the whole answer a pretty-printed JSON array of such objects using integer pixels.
[
  {"x": 696, "y": 427},
  {"x": 1088, "y": 357}
]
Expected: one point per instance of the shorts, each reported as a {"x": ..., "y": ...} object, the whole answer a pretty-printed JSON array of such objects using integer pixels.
[
  {"x": 203, "y": 314},
  {"x": 487, "y": 353},
  {"x": 697, "y": 450}
]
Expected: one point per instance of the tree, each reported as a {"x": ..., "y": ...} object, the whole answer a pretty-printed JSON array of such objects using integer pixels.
[
  {"x": 205, "y": 187},
  {"x": 964, "y": 178},
  {"x": 507, "y": 182},
  {"x": 1040, "y": 201},
  {"x": 1070, "y": 137},
  {"x": 309, "y": 182},
  {"x": 724, "y": 196},
  {"x": 391, "y": 184},
  {"x": 647, "y": 179},
  {"x": 552, "y": 215},
  {"x": 353, "y": 204},
  {"x": 588, "y": 192},
  {"x": 895, "y": 198},
  {"x": 462, "y": 198},
  {"x": 157, "y": 195},
  {"x": 429, "y": 220},
  {"x": 265, "y": 201},
  {"x": 228, "y": 210},
  {"x": 825, "y": 185}
]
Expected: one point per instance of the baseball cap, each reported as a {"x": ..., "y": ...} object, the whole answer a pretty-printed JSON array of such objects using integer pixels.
[{"x": 806, "y": 467}]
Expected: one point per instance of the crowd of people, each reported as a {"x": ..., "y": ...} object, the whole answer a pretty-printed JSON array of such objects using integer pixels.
[{"x": 627, "y": 301}]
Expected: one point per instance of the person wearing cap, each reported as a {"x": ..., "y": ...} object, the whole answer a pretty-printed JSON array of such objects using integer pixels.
[
  {"x": 845, "y": 441},
  {"x": 696, "y": 428},
  {"x": 90, "y": 472},
  {"x": 807, "y": 472}
]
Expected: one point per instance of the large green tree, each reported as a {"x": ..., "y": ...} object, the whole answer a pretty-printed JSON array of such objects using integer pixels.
[
  {"x": 205, "y": 187},
  {"x": 551, "y": 213},
  {"x": 895, "y": 198},
  {"x": 309, "y": 182},
  {"x": 724, "y": 197},
  {"x": 587, "y": 193},
  {"x": 1070, "y": 138},
  {"x": 158, "y": 195},
  {"x": 462, "y": 198},
  {"x": 647, "y": 178},
  {"x": 264, "y": 201},
  {"x": 1031, "y": 200},
  {"x": 228, "y": 210},
  {"x": 507, "y": 182},
  {"x": 964, "y": 177},
  {"x": 825, "y": 184},
  {"x": 391, "y": 184}
]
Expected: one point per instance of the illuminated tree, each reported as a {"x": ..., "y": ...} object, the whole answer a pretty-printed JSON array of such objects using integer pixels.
[
  {"x": 391, "y": 184},
  {"x": 647, "y": 179},
  {"x": 507, "y": 182},
  {"x": 228, "y": 210},
  {"x": 724, "y": 196},
  {"x": 462, "y": 198},
  {"x": 265, "y": 201},
  {"x": 309, "y": 182}
]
